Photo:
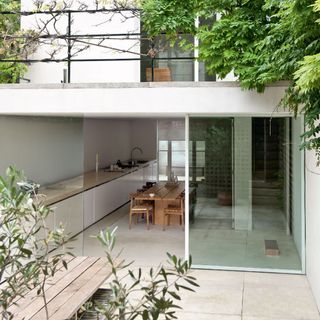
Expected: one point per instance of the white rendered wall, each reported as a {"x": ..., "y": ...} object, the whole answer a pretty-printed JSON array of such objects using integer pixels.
[
  {"x": 141, "y": 100},
  {"x": 297, "y": 180},
  {"x": 47, "y": 149},
  {"x": 313, "y": 224},
  {"x": 51, "y": 149},
  {"x": 144, "y": 136},
  {"x": 86, "y": 72},
  {"x": 109, "y": 138},
  {"x": 242, "y": 174},
  {"x": 113, "y": 139}
]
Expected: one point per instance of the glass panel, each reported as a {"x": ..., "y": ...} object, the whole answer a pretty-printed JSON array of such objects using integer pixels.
[
  {"x": 171, "y": 63},
  {"x": 171, "y": 149},
  {"x": 178, "y": 146},
  {"x": 163, "y": 165},
  {"x": 163, "y": 145},
  {"x": 242, "y": 211},
  {"x": 245, "y": 178}
]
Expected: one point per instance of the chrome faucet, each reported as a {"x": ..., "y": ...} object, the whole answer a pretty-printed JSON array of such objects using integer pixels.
[{"x": 133, "y": 149}]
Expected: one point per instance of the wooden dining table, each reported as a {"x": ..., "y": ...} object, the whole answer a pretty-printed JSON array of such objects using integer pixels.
[{"x": 164, "y": 194}]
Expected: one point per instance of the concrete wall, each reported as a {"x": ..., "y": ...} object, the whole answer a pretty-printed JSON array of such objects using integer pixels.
[
  {"x": 47, "y": 149},
  {"x": 313, "y": 224}
]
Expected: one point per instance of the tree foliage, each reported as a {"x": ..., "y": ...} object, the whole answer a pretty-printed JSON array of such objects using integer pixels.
[
  {"x": 260, "y": 41},
  {"x": 25, "y": 241},
  {"x": 149, "y": 295},
  {"x": 10, "y": 48},
  {"x": 168, "y": 17}
]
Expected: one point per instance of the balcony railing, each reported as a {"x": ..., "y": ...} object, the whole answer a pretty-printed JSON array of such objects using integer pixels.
[{"x": 175, "y": 66}]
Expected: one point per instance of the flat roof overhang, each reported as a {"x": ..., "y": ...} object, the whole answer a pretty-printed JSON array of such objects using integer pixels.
[{"x": 140, "y": 100}]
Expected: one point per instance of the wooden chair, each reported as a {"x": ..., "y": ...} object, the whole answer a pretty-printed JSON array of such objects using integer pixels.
[
  {"x": 140, "y": 208},
  {"x": 173, "y": 209}
]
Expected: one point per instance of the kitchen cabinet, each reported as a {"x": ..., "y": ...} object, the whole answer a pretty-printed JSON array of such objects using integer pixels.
[
  {"x": 69, "y": 213},
  {"x": 88, "y": 208},
  {"x": 112, "y": 195},
  {"x": 84, "y": 209},
  {"x": 42, "y": 234},
  {"x": 124, "y": 189},
  {"x": 104, "y": 196}
]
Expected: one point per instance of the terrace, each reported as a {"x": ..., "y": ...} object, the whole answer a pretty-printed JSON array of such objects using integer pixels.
[{"x": 116, "y": 103}]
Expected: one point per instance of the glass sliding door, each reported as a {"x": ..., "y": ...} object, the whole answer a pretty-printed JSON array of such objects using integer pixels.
[
  {"x": 245, "y": 177},
  {"x": 210, "y": 160}
]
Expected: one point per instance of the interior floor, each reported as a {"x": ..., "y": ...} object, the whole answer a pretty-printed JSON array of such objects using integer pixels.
[
  {"x": 222, "y": 294},
  {"x": 214, "y": 242},
  {"x": 146, "y": 247}
]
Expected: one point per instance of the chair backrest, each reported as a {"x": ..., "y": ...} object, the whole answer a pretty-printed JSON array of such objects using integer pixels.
[
  {"x": 181, "y": 202},
  {"x": 132, "y": 199}
]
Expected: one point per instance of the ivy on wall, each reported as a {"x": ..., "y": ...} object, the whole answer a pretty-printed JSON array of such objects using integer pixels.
[{"x": 260, "y": 41}]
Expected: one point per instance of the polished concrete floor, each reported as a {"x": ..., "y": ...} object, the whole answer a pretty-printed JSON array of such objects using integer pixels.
[
  {"x": 214, "y": 242},
  {"x": 222, "y": 295}
]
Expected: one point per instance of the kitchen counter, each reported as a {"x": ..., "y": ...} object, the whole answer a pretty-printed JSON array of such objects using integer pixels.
[{"x": 70, "y": 187}]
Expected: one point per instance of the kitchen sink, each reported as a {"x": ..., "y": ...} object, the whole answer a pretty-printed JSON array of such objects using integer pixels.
[
  {"x": 129, "y": 166},
  {"x": 142, "y": 161}
]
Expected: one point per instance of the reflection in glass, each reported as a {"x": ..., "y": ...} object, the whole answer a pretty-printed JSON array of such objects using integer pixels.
[
  {"x": 245, "y": 174},
  {"x": 171, "y": 62}
]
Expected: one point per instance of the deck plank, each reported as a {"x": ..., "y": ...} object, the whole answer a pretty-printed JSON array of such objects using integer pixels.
[
  {"x": 23, "y": 302},
  {"x": 65, "y": 295},
  {"x": 80, "y": 296},
  {"x": 53, "y": 291}
]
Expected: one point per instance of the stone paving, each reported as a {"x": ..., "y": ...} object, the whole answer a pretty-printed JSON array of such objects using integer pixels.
[
  {"x": 222, "y": 295},
  {"x": 227, "y": 295}
]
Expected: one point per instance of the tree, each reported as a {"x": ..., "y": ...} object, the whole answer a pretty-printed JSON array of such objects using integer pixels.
[
  {"x": 149, "y": 296},
  {"x": 25, "y": 241},
  {"x": 261, "y": 41},
  {"x": 10, "y": 48}
]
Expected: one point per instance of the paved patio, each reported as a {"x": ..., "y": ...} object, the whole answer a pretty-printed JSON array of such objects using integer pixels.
[{"x": 223, "y": 295}]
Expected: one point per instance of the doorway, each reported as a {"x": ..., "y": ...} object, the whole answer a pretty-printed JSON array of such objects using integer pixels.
[{"x": 242, "y": 171}]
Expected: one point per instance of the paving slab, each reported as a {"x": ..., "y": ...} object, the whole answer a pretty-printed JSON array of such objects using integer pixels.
[{"x": 278, "y": 296}]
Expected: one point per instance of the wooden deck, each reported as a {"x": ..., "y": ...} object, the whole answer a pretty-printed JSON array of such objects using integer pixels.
[{"x": 66, "y": 292}]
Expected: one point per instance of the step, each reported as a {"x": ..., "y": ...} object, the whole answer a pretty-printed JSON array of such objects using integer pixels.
[
  {"x": 266, "y": 201},
  {"x": 271, "y": 248},
  {"x": 266, "y": 192},
  {"x": 266, "y": 184}
]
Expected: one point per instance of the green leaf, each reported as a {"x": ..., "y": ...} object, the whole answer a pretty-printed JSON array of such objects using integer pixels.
[
  {"x": 145, "y": 315},
  {"x": 65, "y": 265}
]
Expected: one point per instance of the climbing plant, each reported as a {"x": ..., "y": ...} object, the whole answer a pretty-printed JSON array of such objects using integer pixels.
[
  {"x": 10, "y": 48},
  {"x": 260, "y": 41}
]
